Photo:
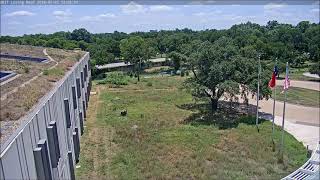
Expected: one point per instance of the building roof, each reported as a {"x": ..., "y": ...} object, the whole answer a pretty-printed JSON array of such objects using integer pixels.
[{"x": 123, "y": 64}]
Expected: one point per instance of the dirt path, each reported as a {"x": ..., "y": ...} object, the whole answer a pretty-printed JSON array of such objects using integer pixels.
[
  {"x": 100, "y": 137},
  {"x": 302, "y": 84}
]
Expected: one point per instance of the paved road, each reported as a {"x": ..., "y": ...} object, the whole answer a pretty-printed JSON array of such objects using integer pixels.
[
  {"x": 308, "y": 135},
  {"x": 311, "y": 75},
  {"x": 300, "y": 121}
]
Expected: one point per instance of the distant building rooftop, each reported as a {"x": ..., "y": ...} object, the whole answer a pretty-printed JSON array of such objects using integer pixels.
[{"x": 123, "y": 64}]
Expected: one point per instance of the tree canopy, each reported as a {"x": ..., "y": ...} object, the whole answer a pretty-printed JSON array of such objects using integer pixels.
[
  {"x": 219, "y": 70},
  {"x": 135, "y": 51}
]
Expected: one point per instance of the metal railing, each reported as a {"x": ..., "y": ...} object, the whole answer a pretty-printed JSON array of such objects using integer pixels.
[{"x": 308, "y": 171}]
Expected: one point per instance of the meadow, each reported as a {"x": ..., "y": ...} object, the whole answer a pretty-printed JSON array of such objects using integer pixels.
[{"x": 167, "y": 135}]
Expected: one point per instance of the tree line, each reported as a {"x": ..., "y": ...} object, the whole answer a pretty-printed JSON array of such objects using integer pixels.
[
  {"x": 223, "y": 62},
  {"x": 286, "y": 42}
]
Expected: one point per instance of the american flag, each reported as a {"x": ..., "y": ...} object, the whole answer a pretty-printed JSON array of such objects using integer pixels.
[{"x": 286, "y": 84}]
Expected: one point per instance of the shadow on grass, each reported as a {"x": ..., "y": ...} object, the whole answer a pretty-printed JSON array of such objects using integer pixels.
[{"x": 224, "y": 117}]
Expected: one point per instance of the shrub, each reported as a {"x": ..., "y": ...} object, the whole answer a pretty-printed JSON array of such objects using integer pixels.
[
  {"x": 315, "y": 68},
  {"x": 250, "y": 120},
  {"x": 149, "y": 83},
  {"x": 54, "y": 72},
  {"x": 45, "y": 72},
  {"x": 187, "y": 73},
  {"x": 26, "y": 69},
  {"x": 116, "y": 78},
  {"x": 182, "y": 73}
]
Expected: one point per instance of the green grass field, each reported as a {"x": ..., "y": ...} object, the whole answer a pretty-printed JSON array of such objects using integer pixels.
[
  {"x": 155, "y": 140},
  {"x": 300, "y": 96}
]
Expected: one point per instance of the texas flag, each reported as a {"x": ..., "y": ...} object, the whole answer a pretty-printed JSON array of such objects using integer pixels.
[{"x": 272, "y": 82}]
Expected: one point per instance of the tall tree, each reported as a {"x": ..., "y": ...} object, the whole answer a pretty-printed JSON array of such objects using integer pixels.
[
  {"x": 219, "y": 70},
  {"x": 135, "y": 51},
  {"x": 81, "y": 35}
]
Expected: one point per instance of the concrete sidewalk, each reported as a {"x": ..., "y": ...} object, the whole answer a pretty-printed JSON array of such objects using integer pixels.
[
  {"x": 294, "y": 113},
  {"x": 308, "y": 135},
  {"x": 300, "y": 121}
]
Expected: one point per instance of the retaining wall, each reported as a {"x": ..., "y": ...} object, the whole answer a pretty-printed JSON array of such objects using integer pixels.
[{"x": 47, "y": 143}]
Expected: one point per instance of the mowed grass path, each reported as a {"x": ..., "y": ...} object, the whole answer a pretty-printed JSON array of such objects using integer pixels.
[
  {"x": 152, "y": 142},
  {"x": 300, "y": 96}
]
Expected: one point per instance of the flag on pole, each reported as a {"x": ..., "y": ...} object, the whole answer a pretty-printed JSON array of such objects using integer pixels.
[
  {"x": 285, "y": 87},
  {"x": 286, "y": 80},
  {"x": 272, "y": 82}
]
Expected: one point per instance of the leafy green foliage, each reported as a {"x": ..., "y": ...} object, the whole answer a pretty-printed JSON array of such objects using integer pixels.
[
  {"x": 315, "y": 68},
  {"x": 177, "y": 59},
  {"x": 219, "y": 70},
  {"x": 115, "y": 78},
  {"x": 286, "y": 42},
  {"x": 153, "y": 142},
  {"x": 135, "y": 51}
]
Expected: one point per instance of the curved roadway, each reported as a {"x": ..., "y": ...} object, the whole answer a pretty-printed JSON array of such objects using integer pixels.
[{"x": 301, "y": 121}]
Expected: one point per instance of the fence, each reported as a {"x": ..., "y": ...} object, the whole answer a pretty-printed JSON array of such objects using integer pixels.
[{"x": 47, "y": 143}]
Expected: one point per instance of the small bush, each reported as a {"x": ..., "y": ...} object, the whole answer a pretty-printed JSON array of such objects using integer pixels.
[
  {"x": 26, "y": 69},
  {"x": 116, "y": 78},
  {"x": 182, "y": 74},
  {"x": 250, "y": 120},
  {"x": 149, "y": 83},
  {"x": 45, "y": 72},
  {"x": 54, "y": 72},
  {"x": 187, "y": 73},
  {"x": 100, "y": 76}
]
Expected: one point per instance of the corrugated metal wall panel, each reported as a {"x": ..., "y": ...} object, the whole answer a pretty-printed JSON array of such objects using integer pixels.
[{"x": 17, "y": 160}]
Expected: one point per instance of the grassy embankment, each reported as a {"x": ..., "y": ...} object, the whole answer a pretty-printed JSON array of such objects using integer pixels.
[{"x": 161, "y": 139}]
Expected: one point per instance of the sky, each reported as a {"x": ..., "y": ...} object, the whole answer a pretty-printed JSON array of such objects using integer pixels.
[{"x": 131, "y": 17}]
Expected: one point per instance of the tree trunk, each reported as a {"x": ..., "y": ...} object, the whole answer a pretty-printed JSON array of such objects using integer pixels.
[
  {"x": 214, "y": 104},
  {"x": 139, "y": 67}
]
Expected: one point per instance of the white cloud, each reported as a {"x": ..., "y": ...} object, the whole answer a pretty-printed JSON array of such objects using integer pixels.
[
  {"x": 272, "y": 6},
  {"x": 20, "y": 13},
  {"x": 14, "y": 23},
  {"x": 200, "y": 14},
  {"x": 132, "y": 8},
  {"x": 100, "y": 17},
  {"x": 212, "y": 13},
  {"x": 41, "y": 25},
  {"x": 158, "y": 8},
  {"x": 62, "y": 14}
]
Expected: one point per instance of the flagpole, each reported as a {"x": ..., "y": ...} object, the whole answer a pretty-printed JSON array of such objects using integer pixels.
[
  {"x": 284, "y": 107},
  {"x": 284, "y": 111},
  {"x": 274, "y": 105},
  {"x": 258, "y": 94}
]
